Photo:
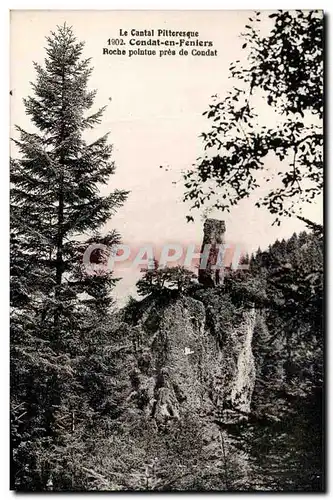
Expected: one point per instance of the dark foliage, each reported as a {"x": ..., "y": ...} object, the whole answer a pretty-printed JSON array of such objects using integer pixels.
[
  {"x": 58, "y": 364},
  {"x": 164, "y": 280}
]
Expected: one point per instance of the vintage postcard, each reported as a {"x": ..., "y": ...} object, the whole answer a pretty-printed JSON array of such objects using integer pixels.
[{"x": 167, "y": 261}]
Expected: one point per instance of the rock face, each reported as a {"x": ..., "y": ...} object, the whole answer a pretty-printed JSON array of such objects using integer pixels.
[
  {"x": 214, "y": 236},
  {"x": 182, "y": 366},
  {"x": 173, "y": 335},
  {"x": 243, "y": 383},
  {"x": 195, "y": 354}
]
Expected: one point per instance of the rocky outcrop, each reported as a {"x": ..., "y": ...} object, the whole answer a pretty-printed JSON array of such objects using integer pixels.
[
  {"x": 213, "y": 237},
  {"x": 182, "y": 364},
  {"x": 171, "y": 375}
]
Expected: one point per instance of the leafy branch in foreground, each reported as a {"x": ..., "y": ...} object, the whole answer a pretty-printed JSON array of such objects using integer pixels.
[{"x": 284, "y": 74}]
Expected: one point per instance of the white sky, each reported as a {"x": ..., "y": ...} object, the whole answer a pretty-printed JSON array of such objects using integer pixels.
[{"x": 155, "y": 118}]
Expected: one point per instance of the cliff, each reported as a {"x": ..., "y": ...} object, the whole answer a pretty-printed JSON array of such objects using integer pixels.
[
  {"x": 185, "y": 362},
  {"x": 194, "y": 353}
]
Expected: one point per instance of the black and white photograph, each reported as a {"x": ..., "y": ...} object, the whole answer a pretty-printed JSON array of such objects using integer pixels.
[{"x": 167, "y": 251}]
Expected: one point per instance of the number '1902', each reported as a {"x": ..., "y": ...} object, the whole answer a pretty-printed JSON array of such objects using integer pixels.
[{"x": 116, "y": 41}]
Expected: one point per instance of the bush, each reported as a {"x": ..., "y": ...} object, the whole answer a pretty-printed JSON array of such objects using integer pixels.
[{"x": 159, "y": 280}]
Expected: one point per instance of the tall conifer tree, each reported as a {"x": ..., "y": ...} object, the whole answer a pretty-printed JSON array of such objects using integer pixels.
[{"x": 56, "y": 211}]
